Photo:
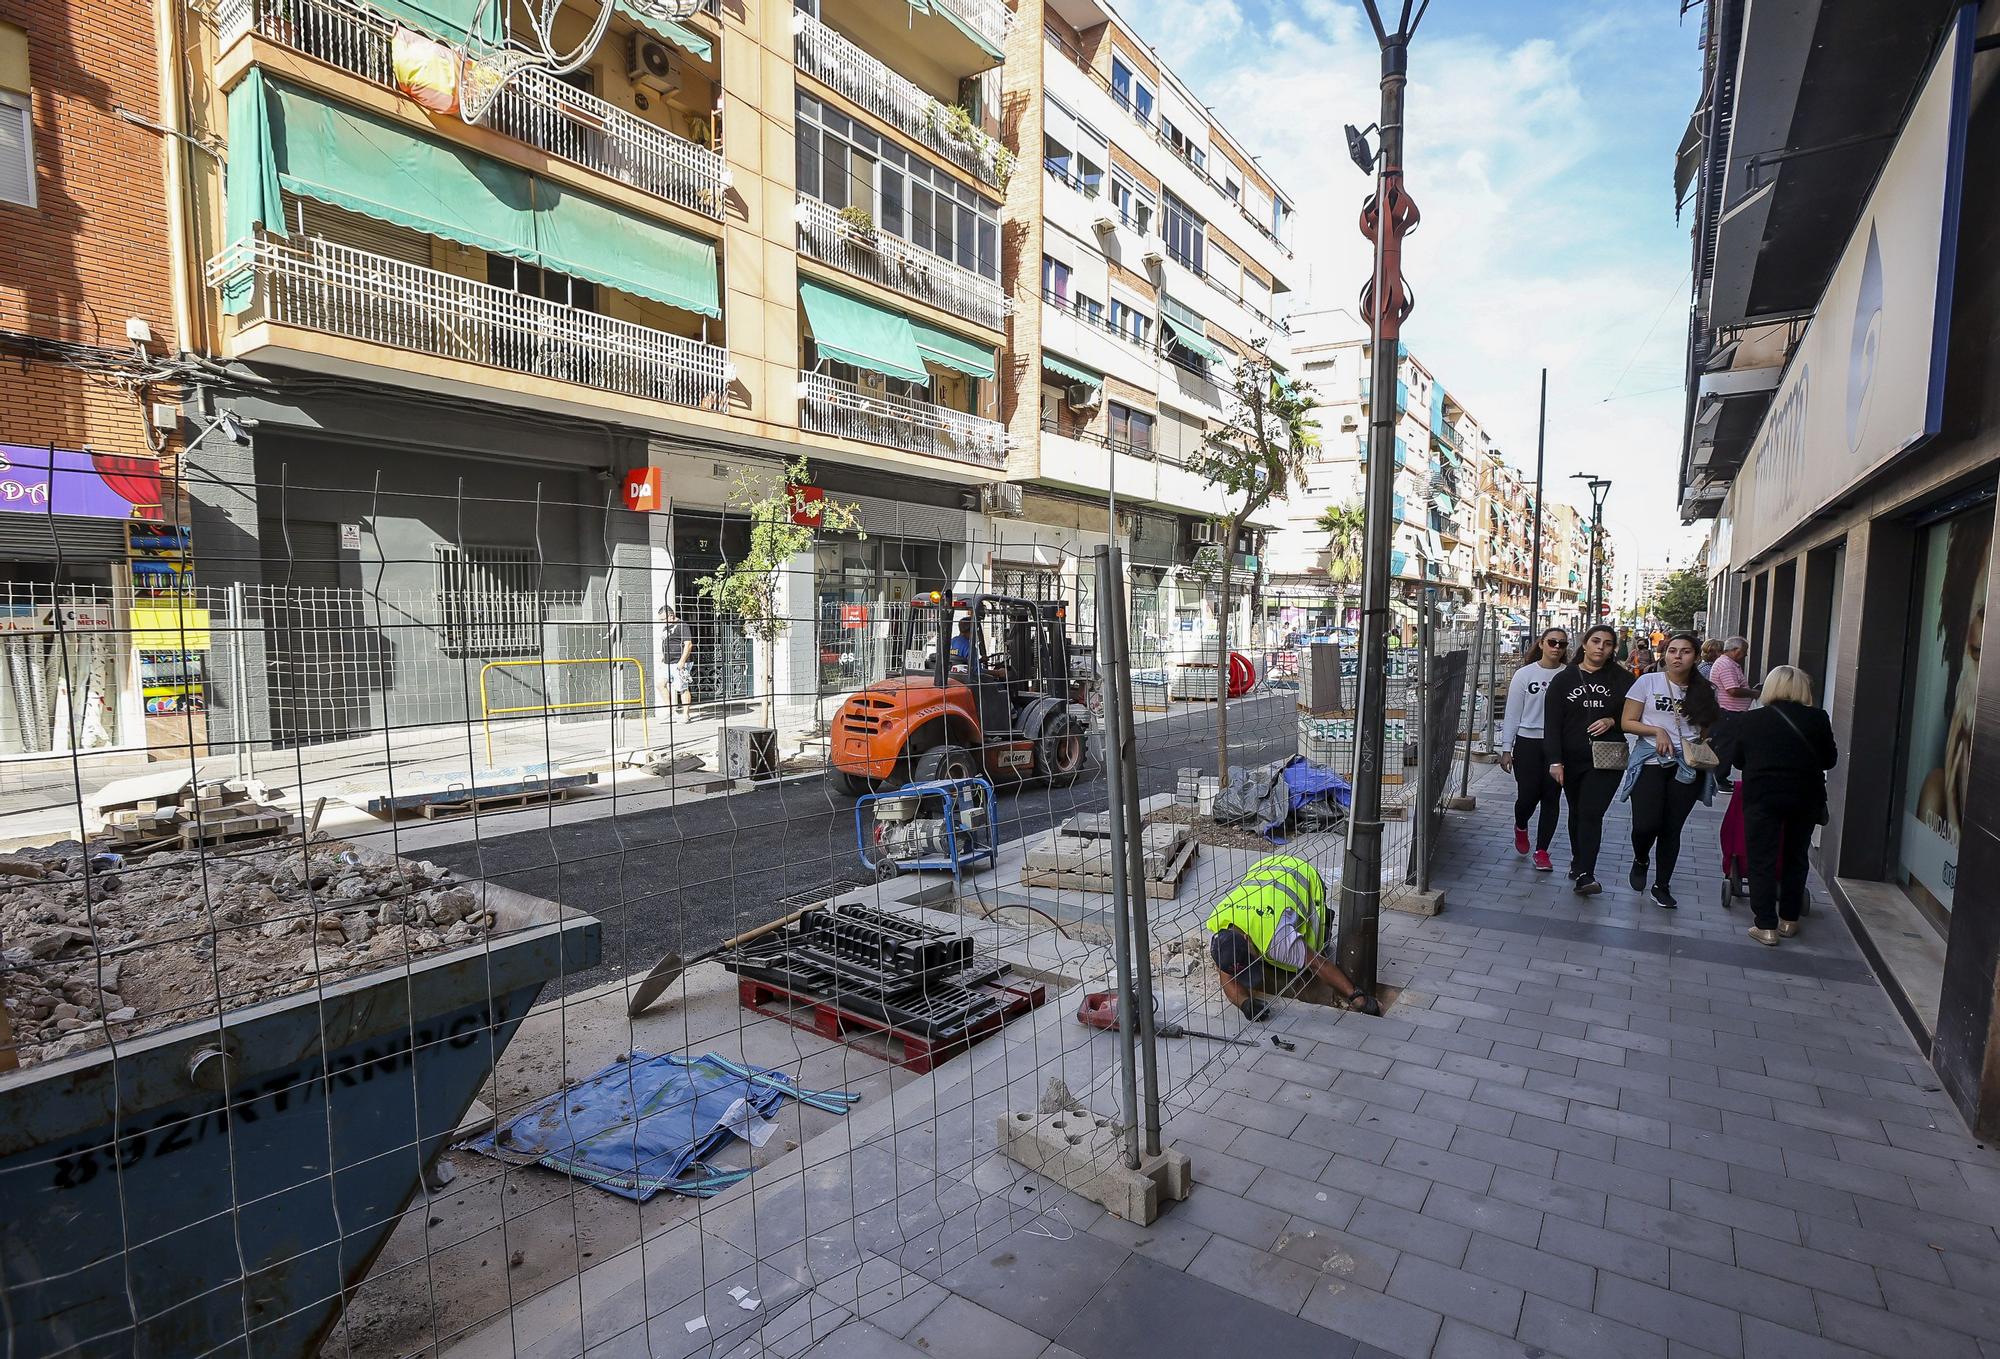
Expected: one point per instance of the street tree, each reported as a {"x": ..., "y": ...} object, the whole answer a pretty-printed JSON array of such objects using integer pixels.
[
  {"x": 1679, "y": 597},
  {"x": 786, "y": 514},
  {"x": 1252, "y": 456},
  {"x": 1345, "y": 527}
]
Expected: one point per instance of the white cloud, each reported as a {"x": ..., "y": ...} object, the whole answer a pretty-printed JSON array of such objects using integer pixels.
[{"x": 1541, "y": 164}]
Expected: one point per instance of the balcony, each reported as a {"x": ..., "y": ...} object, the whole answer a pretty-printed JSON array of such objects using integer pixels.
[
  {"x": 896, "y": 264},
  {"x": 829, "y": 406},
  {"x": 844, "y": 68},
  {"x": 535, "y": 108},
  {"x": 319, "y": 285}
]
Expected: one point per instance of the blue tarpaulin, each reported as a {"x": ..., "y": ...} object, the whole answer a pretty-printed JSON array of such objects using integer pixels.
[{"x": 646, "y": 1123}]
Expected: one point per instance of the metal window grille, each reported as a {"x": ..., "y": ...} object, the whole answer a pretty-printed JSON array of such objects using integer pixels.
[{"x": 488, "y": 601}]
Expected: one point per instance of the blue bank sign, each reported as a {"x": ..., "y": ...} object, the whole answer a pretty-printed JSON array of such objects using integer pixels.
[{"x": 1866, "y": 382}]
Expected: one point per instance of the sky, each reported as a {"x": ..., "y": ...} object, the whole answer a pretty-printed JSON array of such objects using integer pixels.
[{"x": 1540, "y": 150}]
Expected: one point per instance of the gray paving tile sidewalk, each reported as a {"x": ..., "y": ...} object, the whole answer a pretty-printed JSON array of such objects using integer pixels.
[{"x": 1587, "y": 1128}]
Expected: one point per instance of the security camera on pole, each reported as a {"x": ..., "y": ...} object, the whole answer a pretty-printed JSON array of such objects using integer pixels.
[{"x": 1387, "y": 217}]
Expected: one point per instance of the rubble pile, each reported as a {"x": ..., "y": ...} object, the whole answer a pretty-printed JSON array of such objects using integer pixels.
[{"x": 94, "y": 946}]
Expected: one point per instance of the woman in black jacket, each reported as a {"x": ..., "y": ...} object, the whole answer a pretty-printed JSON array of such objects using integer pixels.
[
  {"x": 1584, "y": 705},
  {"x": 1783, "y": 749}
]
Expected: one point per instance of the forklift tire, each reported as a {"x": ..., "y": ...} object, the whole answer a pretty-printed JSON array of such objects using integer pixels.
[
  {"x": 1065, "y": 751},
  {"x": 854, "y": 785},
  {"x": 944, "y": 762}
]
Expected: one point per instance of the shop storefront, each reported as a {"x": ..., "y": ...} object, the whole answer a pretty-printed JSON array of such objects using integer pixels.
[{"x": 864, "y": 588}]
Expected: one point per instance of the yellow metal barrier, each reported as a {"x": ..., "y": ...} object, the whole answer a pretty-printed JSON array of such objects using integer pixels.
[{"x": 487, "y": 712}]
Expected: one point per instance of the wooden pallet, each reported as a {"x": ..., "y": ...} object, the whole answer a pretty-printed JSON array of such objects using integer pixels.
[
  {"x": 498, "y": 802},
  {"x": 881, "y": 1038},
  {"x": 1157, "y": 889}
]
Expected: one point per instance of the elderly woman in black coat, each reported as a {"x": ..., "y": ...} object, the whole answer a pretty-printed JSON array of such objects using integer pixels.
[{"x": 1783, "y": 749}]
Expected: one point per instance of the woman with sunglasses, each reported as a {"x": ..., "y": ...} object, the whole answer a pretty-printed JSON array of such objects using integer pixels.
[
  {"x": 1522, "y": 746},
  {"x": 1671, "y": 711},
  {"x": 1586, "y": 746}
]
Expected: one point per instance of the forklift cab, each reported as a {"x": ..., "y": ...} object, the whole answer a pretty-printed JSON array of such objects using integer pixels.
[{"x": 1019, "y": 651}]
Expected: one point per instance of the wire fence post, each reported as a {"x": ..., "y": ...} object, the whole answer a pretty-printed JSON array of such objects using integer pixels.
[
  {"x": 1125, "y": 802},
  {"x": 1429, "y": 736},
  {"x": 1115, "y": 756},
  {"x": 1472, "y": 710}
]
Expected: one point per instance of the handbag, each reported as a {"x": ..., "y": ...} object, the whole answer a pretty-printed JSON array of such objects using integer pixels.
[
  {"x": 1699, "y": 754},
  {"x": 1608, "y": 754}
]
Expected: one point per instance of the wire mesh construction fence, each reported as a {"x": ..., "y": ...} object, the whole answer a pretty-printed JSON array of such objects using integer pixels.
[{"x": 444, "y": 941}]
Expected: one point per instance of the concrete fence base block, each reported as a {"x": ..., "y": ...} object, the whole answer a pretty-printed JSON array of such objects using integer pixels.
[
  {"x": 1085, "y": 1154},
  {"x": 1412, "y": 902},
  {"x": 1467, "y": 803}
]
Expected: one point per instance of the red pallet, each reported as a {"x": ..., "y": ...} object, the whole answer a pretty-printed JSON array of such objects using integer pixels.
[{"x": 917, "y": 1053}]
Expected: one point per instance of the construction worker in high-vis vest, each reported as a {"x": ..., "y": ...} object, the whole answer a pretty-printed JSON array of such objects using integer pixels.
[{"x": 1270, "y": 926}]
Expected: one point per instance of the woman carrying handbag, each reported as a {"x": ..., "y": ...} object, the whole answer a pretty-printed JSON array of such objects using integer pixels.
[
  {"x": 1672, "y": 766},
  {"x": 1588, "y": 751},
  {"x": 1783, "y": 750}
]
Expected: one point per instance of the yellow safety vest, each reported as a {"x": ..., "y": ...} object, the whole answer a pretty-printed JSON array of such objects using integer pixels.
[{"x": 1271, "y": 887}]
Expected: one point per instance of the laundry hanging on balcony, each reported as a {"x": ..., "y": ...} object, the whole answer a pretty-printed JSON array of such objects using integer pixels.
[
  {"x": 284, "y": 138},
  {"x": 848, "y": 330}
]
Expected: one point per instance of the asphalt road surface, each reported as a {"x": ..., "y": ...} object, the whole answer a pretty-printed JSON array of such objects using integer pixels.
[{"x": 684, "y": 879}]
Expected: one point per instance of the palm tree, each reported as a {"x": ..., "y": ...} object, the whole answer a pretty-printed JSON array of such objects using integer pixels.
[{"x": 1345, "y": 527}]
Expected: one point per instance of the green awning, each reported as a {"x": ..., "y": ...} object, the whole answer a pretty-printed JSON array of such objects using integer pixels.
[
  {"x": 852, "y": 331},
  {"x": 254, "y": 196},
  {"x": 1193, "y": 340},
  {"x": 666, "y": 30},
  {"x": 376, "y": 167},
  {"x": 943, "y": 347},
  {"x": 1074, "y": 372},
  {"x": 972, "y": 35},
  {"x": 451, "y": 18}
]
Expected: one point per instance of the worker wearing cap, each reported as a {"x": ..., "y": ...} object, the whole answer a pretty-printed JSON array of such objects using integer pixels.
[{"x": 1276, "y": 919}]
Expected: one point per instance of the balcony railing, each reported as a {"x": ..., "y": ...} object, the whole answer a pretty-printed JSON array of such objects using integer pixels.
[
  {"x": 320, "y": 285},
  {"x": 829, "y": 406},
  {"x": 841, "y": 66},
  {"x": 896, "y": 263},
  {"x": 534, "y": 108},
  {"x": 991, "y": 18}
]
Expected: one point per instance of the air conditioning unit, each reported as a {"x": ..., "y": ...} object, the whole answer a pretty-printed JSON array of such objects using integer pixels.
[
  {"x": 1084, "y": 396},
  {"x": 1104, "y": 224},
  {"x": 1349, "y": 423},
  {"x": 1001, "y": 499},
  {"x": 1202, "y": 532},
  {"x": 651, "y": 65}
]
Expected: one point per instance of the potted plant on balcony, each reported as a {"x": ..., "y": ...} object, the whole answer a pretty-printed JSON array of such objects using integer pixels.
[{"x": 860, "y": 224}]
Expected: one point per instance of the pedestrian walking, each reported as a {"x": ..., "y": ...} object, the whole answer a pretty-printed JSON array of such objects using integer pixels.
[
  {"x": 1709, "y": 651},
  {"x": 1587, "y": 748},
  {"x": 676, "y": 652},
  {"x": 1640, "y": 661},
  {"x": 1733, "y": 693},
  {"x": 1522, "y": 747},
  {"x": 1271, "y": 927},
  {"x": 1783, "y": 749},
  {"x": 1671, "y": 711}
]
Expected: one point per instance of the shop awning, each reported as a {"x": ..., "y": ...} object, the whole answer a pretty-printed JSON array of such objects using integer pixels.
[
  {"x": 1075, "y": 372},
  {"x": 451, "y": 18},
  {"x": 852, "y": 331},
  {"x": 943, "y": 347},
  {"x": 374, "y": 166},
  {"x": 666, "y": 30},
  {"x": 1193, "y": 340}
]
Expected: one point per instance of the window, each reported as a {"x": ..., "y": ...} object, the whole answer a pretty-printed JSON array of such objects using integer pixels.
[
  {"x": 1131, "y": 430},
  {"x": 488, "y": 604},
  {"x": 1232, "y": 189},
  {"x": 531, "y": 281},
  {"x": 1183, "y": 231},
  {"x": 1055, "y": 279},
  {"x": 1073, "y": 150},
  {"x": 17, "y": 149},
  {"x": 1090, "y": 309},
  {"x": 1129, "y": 321},
  {"x": 1184, "y": 146},
  {"x": 1130, "y": 91},
  {"x": 1134, "y": 205}
]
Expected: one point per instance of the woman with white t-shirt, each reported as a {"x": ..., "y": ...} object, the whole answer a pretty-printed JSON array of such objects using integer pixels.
[
  {"x": 1521, "y": 746},
  {"x": 1666, "y": 709}
]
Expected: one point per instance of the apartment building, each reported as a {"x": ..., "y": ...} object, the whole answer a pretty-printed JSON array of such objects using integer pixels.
[
  {"x": 729, "y": 236},
  {"x": 87, "y": 308},
  {"x": 1149, "y": 253}
]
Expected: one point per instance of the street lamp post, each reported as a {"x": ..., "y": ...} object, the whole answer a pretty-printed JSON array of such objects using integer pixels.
[
  {"x": 1600, "y": 487},
  {"x": 1388, "y": 216}
]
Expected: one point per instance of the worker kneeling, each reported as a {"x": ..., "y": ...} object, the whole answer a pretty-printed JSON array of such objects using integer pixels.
[{"x": 1276, "y": 918}]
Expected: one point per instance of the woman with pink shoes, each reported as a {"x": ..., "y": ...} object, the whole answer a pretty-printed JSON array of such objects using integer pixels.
[{"x": 1524, "y": 751}]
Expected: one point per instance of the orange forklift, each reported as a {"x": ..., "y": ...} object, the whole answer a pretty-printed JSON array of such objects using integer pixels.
[{"x": 988, "y": 687}]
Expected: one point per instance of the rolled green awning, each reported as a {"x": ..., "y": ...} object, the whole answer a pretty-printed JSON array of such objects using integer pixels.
[
  {"x": 852, "y": 331},
  {"x": 943, "y": 347},
  {"x": 454, "y": 19},
  {"x": 666, "y": 30},
  {"x": 1074, "y": 372},
  {"x": 254, "y": 197},
  {"x": 1193, "y": 340},
  {"x": 376, "y": 167}
]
